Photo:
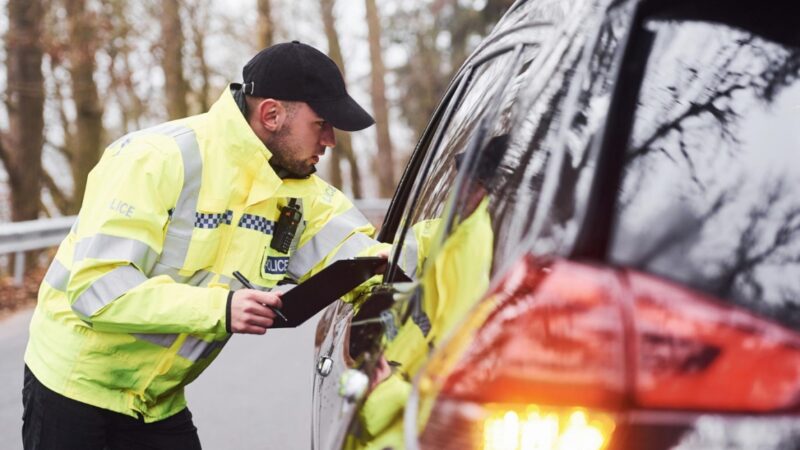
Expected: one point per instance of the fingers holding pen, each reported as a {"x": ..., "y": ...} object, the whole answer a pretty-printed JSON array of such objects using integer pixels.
[{"x": 251, "y": 312}]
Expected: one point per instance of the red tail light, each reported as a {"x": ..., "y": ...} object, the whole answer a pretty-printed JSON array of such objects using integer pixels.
[
  {"x": 694, "y": 352},
  {"x": 557, "y": 337},
  {"x": 566, "y": 336}
]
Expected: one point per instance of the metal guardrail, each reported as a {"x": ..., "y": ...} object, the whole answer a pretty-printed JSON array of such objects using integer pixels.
[{"x": 19, "y": 237}]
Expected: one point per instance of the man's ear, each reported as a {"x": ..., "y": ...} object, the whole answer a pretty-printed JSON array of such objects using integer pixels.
[{"x": 271, "y": 114}]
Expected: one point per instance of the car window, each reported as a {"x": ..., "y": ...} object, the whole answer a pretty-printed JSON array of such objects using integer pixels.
[
  {"x": 710, "y": 193},
  {"x": 436, "y": 182},
  {"x": 539, "y": 203}
]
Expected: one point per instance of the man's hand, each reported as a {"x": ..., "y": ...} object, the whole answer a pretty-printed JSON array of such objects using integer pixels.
[{"x": 249, "y": 313}]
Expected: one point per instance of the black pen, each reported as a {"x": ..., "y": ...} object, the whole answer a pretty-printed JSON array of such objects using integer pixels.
[{"x": 238, "y": 275}]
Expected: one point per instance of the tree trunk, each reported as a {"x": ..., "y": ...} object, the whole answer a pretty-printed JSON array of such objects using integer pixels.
[
  {"x": 172, "y": 62},
  {"x": 336, "y": 167},
  {"x": 22, "y": 154},
  {"x": 344, "y": 144},
  {"x": 85, "y": 145},
  {"x": 383, "y": 162},
  {"x": 266, "y": 30},
  {"x": 199, "y": 18},
  {"x": 346, "y": 149}
]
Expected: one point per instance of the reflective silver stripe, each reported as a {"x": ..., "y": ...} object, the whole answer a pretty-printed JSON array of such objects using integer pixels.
[
  {"x": 168, "y": 128},
  {"x": 226, "y": 280},
  {"x": 354, "y": 245},
  {"x": 104, "y": 246},
  {"x": 324, "y": 241},
  {"x": 194, "y": 348},
  {"x": 57, "y": 276},
  {"x": 199, "y": 278},
  {"x": 160, "y": 339},
  {"x": 108, "y": 288},
  {"x": 179, "y": 231},
  {"x": 409, "y": 257}
]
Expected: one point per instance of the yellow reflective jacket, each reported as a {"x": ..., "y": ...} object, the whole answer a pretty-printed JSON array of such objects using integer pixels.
[
  {"x": 133, "y": 306},
  {"x": 452, "y": 282}
]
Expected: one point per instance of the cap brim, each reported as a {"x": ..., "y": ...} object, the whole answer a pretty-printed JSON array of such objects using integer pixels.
[{"x": 343, "y": 113}]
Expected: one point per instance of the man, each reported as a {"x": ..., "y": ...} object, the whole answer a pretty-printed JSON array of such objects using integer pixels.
[{"x": 139, "y": 298}]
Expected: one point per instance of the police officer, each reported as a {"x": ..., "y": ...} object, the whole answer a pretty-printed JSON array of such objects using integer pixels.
[{"x": 139, "y": 298}]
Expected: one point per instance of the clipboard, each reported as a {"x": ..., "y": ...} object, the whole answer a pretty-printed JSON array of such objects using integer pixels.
[{"x": 306, "y": 299}]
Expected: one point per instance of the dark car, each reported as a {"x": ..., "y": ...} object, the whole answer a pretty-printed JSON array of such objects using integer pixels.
[{"x": 602, "y": 222}]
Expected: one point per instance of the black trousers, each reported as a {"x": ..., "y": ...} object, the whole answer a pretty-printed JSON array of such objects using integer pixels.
[{"x": 51, "y": 421}]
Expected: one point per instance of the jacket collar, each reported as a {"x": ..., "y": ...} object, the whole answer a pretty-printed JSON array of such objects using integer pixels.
[
  {"x": 241, "y": 103},
  {"x": 235, "y": 142}
]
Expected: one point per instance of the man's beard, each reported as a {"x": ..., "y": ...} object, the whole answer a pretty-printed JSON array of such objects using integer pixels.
[{"x": 282, "y": 153}]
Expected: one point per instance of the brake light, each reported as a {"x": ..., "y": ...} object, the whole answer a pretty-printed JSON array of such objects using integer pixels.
[
  {"x": 535, "y": 428},
  {"x": 559, "y": 353},
  {"x": 539, "y": 364}
]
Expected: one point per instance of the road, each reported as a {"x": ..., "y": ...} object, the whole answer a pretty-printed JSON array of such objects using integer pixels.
[{"x": 256, "y": 395}]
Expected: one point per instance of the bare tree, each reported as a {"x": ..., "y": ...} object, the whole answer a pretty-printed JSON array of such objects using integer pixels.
[
  {"x": 85, "y": 144},
  {"x": 383, "y": 162},
  {"x": 761, "y": 243},
  {"x": 172, "y": 60},
  {"x": 119, "y": 47},
  {"x": 774, "y": 70},
  {"x": 344, "y": 144},
  {"x": 198, "y": 14},
  {"x": 266, "y": 29},
  {"x": 21, "y": 151},
  {"x": 423, "y": 78}
]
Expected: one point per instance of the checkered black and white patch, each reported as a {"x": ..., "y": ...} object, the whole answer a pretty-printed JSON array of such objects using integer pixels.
[
  {"x": 212, "y": 220},
  {"x": 258, "y": 223}
]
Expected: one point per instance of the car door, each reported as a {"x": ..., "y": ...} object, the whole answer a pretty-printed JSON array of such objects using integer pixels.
[
  {"x": 478, "y": 105},
  {"x": 497, "y": 97}
]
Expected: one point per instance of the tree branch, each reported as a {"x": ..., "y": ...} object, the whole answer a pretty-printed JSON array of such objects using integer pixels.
[{"x": 62, "y": 201}]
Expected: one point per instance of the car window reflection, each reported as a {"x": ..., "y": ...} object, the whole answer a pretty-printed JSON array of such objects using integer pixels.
[{"x": 710, "y": 193}]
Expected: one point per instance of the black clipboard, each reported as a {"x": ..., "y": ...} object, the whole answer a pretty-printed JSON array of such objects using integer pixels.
[{"x": 305, "y": 300}]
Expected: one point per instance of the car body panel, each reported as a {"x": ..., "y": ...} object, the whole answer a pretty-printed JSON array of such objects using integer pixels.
[{"x": 560, "y": 81}]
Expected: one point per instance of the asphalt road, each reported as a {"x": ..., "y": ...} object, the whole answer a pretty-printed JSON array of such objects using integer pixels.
[{"x": 256, "y": 395}]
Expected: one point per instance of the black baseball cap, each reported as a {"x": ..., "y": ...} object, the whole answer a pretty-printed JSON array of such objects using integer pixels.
[{"x": 294, "y": 71}]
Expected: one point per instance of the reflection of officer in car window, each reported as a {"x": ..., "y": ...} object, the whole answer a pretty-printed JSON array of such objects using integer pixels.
[
  {"x": 453, "y": 279},
  {"x": 426, "y": 233},
  {"x": 480, "y": 182}
]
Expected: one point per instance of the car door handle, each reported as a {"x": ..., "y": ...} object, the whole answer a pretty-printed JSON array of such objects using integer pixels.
[{"x": 324, "y": 365}]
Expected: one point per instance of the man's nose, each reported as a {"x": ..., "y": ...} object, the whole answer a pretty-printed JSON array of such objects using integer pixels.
[{"x": 328, "y": 137}]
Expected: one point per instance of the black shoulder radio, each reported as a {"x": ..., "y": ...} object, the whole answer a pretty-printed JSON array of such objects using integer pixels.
[{"x": 286, "y": 227}]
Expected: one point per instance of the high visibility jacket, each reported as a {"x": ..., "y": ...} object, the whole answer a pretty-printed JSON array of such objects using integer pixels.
[
  {"x": 133, "y": 306},
  {"x": 452, "y": 282}
]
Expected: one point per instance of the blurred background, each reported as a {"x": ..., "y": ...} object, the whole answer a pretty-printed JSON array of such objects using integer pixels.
[{"x": 77, "y": 74}]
